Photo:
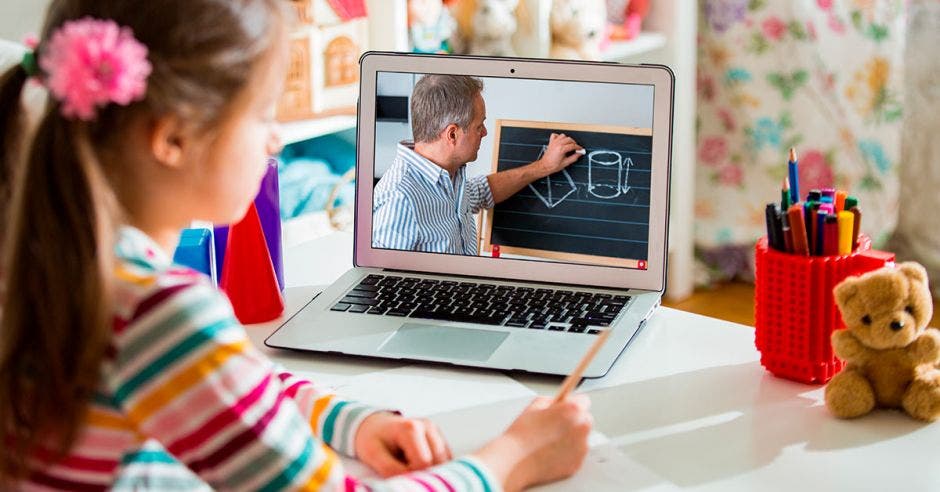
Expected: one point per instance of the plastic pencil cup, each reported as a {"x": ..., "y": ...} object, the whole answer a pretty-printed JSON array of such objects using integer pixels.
[{"x": 795, "y": 312}]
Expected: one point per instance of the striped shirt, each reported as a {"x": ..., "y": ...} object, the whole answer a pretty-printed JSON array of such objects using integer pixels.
[
  {"x": 187, "y": 403},
  {"x": 418, "y": 207}
]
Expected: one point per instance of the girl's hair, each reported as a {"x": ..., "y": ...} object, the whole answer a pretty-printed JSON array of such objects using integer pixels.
[{"x": 58, "y": 261}]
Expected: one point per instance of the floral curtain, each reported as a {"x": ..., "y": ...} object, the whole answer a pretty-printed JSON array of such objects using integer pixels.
[{"x": 823, "y": 76}]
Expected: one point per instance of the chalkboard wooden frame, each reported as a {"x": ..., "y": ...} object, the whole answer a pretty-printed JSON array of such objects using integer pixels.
[{"x": 487, "y": 218}]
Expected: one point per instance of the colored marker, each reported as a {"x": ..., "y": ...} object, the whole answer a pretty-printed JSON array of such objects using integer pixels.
[
  {"x": 831, "y": 235},
  {"x": 828, "y": 195},
  {"x": 774, "y": 231},
  {"x": 846, "y": 225},
  {"x": 794, "y": 174},
  {"x": 787, "y": 236},
  {"x": 811, "y": 233},
  {"x": 798, "y": 230},
  {"x": 814, "y": 195},
  {"x": 840, "y": 200},
  {"x": 856, "y": 226},
  {"x": 821, "y": 232}
]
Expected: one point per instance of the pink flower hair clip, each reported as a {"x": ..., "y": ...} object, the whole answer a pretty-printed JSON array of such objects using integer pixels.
[{"x": 90, "y": 63}]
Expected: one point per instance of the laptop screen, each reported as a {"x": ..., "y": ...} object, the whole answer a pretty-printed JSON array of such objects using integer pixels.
[{"x": 539, "y": 170}]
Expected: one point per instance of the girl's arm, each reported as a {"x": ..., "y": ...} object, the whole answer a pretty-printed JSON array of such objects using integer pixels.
[{"x": 186, "y": 375}]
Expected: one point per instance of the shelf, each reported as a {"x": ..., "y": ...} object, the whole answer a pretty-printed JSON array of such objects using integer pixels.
[
  {"x": 644, "y": 43},
  {"x": 298, "y": 131}
]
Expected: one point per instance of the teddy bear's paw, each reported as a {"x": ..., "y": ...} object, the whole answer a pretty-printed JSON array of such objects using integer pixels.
[
  {"x": 849, "y": 395},
  {"x": 922, "y": 400}
]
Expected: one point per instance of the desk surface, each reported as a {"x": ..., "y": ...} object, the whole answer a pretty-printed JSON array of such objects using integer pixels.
[{"x": 686, "y": 406}]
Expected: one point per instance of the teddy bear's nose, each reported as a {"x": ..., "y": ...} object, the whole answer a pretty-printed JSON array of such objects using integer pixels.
[{"x": 897, "y": 325}]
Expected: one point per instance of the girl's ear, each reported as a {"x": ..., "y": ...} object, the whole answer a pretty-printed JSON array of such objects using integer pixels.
[{"x": 168, "y": 137}]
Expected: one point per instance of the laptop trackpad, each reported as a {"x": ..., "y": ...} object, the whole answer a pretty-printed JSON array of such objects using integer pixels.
[{"x": 451, "y": 342}]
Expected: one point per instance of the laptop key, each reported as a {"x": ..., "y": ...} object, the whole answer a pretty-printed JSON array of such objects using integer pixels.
[
  {"x": 398, "y": 312},
  {"x": 358, "y": 308},
  {"x": 377, "y": 310},
  {"x": 363, "y": 293},
  {"x": 360, "y": 300},
  {"x": 340, "y": 306},
  {"x": 593, "y": 331}
]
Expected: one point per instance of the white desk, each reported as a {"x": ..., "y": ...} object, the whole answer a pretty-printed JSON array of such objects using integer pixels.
[{"x": 687, "y": 406}]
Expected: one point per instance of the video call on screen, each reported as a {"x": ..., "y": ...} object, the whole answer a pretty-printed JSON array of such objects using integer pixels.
[{"x": 594, "y": 211}]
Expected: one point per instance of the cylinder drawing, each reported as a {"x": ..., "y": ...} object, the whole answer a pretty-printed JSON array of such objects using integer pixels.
[{"x": 605, "y": 169}]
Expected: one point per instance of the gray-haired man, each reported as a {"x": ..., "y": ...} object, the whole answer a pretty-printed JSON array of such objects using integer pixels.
[{"x": 424, "y": 202}]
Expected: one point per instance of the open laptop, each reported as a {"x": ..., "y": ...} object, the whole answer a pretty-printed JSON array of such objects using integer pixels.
[{"x": 525, "y": 284}]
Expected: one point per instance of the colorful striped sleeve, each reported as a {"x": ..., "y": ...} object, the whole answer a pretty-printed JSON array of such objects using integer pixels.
[
  {"x": 186, "y": 375},
  {"x": 479, "y": 194}
]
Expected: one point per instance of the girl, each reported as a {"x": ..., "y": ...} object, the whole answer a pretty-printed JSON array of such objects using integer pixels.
[{"x": 120, "y": 370}]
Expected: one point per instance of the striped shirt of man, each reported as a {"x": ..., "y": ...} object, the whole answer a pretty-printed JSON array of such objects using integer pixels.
[
  {"x": 186, "y": 402},
  {"x": 418, "y": 207}
]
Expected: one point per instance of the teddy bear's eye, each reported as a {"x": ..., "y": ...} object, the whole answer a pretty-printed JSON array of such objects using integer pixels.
[
  {"x": 866, "y": 319},
  {"x": 910, "y": 310}
]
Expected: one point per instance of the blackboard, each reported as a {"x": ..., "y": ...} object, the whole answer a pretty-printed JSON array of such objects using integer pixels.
[{"x": 595, "y": 211}]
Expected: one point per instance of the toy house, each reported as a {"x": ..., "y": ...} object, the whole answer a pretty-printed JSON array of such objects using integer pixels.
[{"x": 323, "y": 73}]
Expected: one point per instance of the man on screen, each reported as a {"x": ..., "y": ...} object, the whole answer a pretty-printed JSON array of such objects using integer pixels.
[{"x": 425, "y": 202}]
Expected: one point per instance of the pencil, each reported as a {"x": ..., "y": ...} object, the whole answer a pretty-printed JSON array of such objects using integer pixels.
[{"x": 572, "y": 380}]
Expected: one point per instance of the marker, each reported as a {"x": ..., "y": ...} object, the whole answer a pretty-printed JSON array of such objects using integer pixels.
[
  {"x": 821, "y": 232},
  {"x": 840, "y": 200},
  {"x": 856, "y": 226},
  {"x": 771, "y": 214},
  {"x": 831, "y": 235},
  {"x": 572, "y": 380},
  {"x": 794, "y": 174},
  {"x": 798, "y": 230},
  {"x": 787, "y": 234},
  {"x": 846, "y": 224},
  {"x": 828, "y": 195},
  {"x": 814, "y": 195}
]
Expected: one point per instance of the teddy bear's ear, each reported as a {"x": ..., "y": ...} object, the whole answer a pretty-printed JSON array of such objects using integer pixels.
[
  {"x": 845, "y": 291},
  {"x": 914, "y": 271}
]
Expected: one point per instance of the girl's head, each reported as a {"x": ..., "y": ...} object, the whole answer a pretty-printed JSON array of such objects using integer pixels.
[{"x": 189, "y": 145}]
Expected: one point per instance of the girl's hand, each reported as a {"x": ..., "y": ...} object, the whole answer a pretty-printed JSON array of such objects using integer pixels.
[
  {"x": 391, "y": 444},
  {"x": 547, "y": 442}
]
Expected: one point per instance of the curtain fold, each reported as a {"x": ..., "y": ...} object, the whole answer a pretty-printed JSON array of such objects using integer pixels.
[{"x": 823, "y": 76}]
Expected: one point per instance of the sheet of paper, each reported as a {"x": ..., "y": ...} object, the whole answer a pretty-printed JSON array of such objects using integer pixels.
[{"x": 422, "y": 390}]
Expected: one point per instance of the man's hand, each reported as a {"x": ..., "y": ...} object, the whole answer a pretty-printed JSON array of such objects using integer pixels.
[
  {"x": 559, "y": 154},
  {"x": 391, "y": 444},
  {"x": 505, "y": 184}
]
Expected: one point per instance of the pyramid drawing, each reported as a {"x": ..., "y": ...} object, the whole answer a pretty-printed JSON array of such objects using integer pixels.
[{"x": 554, "y": 188}]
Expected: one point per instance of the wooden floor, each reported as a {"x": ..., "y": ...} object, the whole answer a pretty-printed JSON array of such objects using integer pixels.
[{"x": 734, "y": 301}]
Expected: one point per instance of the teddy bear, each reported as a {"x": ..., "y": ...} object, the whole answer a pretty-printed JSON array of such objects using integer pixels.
[
  {"x": 485, "y": 27},
  {"x": 577, "y": 28},
  {"x": 892, "y": 358}
]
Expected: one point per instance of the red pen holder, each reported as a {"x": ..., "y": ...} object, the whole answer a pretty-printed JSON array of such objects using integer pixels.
[{"x": 795, "y": 312}]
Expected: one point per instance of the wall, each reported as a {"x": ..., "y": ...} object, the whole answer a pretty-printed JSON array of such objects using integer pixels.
[
  {"x": 21, "y": 17},
  {"x": 538, "y": 100}
]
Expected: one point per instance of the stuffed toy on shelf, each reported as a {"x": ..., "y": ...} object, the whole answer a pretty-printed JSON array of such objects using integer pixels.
[
  {"x": 578, "y": 28},
  {"x": 430, "y": 26},
  {"x": 486, "y": 26},
  {"x": 892, "y": 357},
  {"x": 626, "y": 18}
]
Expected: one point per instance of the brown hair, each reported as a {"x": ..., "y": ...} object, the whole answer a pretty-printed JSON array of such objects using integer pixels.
[
  {"x": 56, "y": 275},
  {"x": 441, "y": 100}
]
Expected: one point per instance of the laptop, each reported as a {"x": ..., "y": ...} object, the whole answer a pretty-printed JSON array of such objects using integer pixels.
[{"x": 500, "y": 262}]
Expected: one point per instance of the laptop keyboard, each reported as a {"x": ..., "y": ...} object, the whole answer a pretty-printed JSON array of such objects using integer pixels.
[{"x": 489, "y": 304}]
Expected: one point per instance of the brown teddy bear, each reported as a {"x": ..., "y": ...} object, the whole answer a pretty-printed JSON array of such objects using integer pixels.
[{"x": 893, "y": 359}]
